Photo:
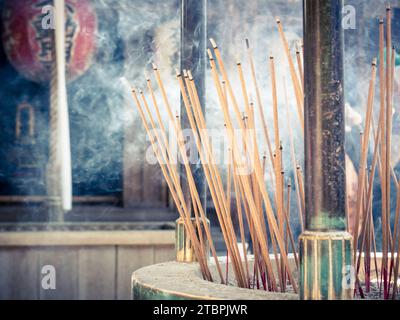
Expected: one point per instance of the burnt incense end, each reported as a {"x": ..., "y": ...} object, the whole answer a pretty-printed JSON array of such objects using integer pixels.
[
  {"x": 213, "y": 43},
  {"x": 247, "y": 43}
]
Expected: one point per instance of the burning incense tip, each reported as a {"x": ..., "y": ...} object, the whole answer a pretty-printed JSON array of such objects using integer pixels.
[
  {"x": 380, "y": 21},
  {"x": 154, "y": 66},
  {"x": 210, "y": 56},
  {"x": 247, "y": 43},
  {"x": 374, "y": 61},
  {"x": 271, "y": 58},
  {"x": 278, "y": 20},
  {"x": 213, "y": 43},
  {"x": 190, "y": 75},
  {"x": 388, "y": 8},
  {"x": 185, "y": 74},
  {"x": 178, "y": 73}
]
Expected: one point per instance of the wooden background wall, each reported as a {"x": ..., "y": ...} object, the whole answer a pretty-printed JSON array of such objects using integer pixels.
[{"x": 89, "y": 265}]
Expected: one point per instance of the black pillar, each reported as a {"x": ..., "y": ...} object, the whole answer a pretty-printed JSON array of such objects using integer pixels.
[
  {"x": 325, "y": 173},
  {"x": 325, "y": 246},
  {"x": 193, "y": 58}
]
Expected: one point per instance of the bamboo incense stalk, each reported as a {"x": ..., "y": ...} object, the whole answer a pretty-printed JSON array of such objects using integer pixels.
[
  {"x": 181, "y": 206},
  {"x": 287, "y": 212},
  {"x": 259, "y": 100},
  {"x": 395, "y": 237},
  {"x": 244, "y": 182},
  {"x": 289, "y": 230},
  {"x": 300, "y": 65},
  {"x": 171, "y": 171},
  {"x": 364, "y": 154},
  {"x": 219, "y": 198},
  {"x": 201, "y": 124},
  {"x": 256, "y": 154},
  {"x": 294, "y": 161},
  {"x": 179, "y": 136},
  {"x": 228, "y": 185},
  {"x": 371, "y": 181},
  {"x": 228, "y": 200},
  {"x": 383, "y": 153},
  {"x": 389, "y": 114},
  {"x": 397, "y": 262},
  {"x": 240, "y": 218},
  {"x": 278, "y": 163},
  {"x": 297, "y": 89},
  {"x": 301, "y": 187},
  {"x": 244, "y": 179},
  {"x": 256, "y": 194},
  {"x": 253, "y": 144}
]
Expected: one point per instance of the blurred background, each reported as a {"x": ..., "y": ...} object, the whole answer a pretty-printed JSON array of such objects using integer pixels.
[{"x": 122, "y": 216}]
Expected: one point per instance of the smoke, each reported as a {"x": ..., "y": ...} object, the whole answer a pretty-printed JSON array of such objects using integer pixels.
[{"x": 133, "y": 34}]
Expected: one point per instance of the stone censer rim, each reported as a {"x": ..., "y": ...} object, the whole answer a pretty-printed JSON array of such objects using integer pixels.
[{"x": 176, "y": 281}]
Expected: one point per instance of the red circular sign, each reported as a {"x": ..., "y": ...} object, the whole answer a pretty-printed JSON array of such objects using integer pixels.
[{"x": 28, "y": 37}]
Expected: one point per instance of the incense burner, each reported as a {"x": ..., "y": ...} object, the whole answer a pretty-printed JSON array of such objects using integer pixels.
[{"x": 183, "y": 281}]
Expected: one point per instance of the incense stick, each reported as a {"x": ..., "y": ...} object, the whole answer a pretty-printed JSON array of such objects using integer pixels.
[
  {"x": 259, "y": 100},
  {"x": 364, "y": 154},
  {"x": 180, "y": 204},
  {"x": 295, "y": 80},
  {"x": 245, "y": 180},
  {"x": 215, "y": 184},
  {"x": 300, "y": 65},
  {"x": 293, "y": 158}
]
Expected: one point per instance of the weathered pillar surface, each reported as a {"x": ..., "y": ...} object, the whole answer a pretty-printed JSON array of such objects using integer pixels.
[
  {"x": 325, "y": 247},
  {"x": 193, "y": 57}
]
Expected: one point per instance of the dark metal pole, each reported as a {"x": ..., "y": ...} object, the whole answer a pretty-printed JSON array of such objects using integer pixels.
[
  {"x": 193, "y": 58},
  {"x": 325, "y": 246}
]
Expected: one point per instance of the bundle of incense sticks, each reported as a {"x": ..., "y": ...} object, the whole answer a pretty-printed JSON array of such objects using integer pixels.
[
  {"x": 269, "y": 220},
  {"x": 364, "y": 234}
]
